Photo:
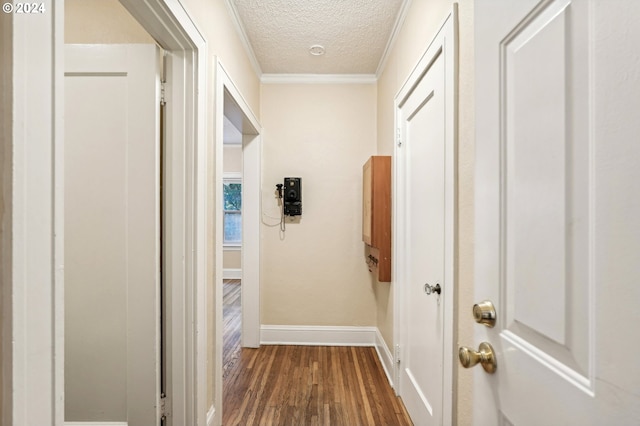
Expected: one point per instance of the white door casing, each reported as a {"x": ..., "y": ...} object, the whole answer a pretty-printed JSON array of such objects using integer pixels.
[
  {"x": 557, "y": 240},
  {"x": 186, "y": 250},
  {"x": 424, "y": 230},
  {"x": 112, "y": 233}
]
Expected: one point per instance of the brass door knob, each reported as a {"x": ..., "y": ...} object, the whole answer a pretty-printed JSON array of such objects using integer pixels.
[
  {"x": 484, "y": 355},
  {"x": 485, "y": 313}
]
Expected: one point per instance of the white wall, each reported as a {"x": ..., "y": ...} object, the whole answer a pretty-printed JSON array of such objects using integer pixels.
[{"x": 316, "y": 274}]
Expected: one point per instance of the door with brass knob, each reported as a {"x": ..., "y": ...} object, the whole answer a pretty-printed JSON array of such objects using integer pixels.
[{"x": 556, "y": 212}]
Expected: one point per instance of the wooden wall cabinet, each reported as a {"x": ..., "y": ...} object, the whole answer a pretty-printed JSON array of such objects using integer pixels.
[{"x": 376, "y": 214}]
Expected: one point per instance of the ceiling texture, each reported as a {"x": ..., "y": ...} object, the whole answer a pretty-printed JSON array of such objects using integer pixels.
[{"x": 355, "y": 35}]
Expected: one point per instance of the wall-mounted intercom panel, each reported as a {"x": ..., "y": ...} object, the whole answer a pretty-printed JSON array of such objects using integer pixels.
[{"x": 292, "y": 196}]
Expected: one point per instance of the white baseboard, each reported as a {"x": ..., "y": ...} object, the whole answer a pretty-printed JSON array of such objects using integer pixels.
[
  {"x": 211, "y": 416},
  {"x": 385, "y": 356},
  {"x": 310, "y": 335},
  {"x": 95, "y": 423},
  {"x": 232, "y": 274}
]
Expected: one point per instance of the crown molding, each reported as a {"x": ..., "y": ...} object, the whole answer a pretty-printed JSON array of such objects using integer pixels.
[
  {"x": 402, "y": 15},
  {"x": 318, "y": 78},
  {"x": 244, "y": 39}
]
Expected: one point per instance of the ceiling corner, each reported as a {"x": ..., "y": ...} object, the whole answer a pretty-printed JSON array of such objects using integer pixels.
[
  {"x": 402, "y": 14},
  {"x": 237, "y": 22}
]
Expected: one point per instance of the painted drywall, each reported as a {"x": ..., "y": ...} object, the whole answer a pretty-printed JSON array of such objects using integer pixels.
[
  {"x": 315, "y": 272},
  {"x": 101, "y": 21},
  {"x": 421, "y": 24},
  {"x": 232, "y": 159},
  {"x": 232, "y": 163},
  {"x": 6, "y": 207}
]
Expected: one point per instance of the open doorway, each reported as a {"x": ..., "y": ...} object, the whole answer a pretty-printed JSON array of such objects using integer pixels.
[
  {"x": 232, "y": 245},
  {"x": 241, "y": 326}
]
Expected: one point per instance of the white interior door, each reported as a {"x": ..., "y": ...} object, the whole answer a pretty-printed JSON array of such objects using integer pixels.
[
  {"x": 424, "y": 169},
  {"x": 112, "y": 233},
  {"x": 557, "y": 239}
]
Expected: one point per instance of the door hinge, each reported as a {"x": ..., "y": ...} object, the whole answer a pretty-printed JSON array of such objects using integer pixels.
[
  {"x": 398, "y": 137},
  {"x": 163, "y": 99},
  {"x": 165, "y": 407},
  {"x": 397, "y": 354}
]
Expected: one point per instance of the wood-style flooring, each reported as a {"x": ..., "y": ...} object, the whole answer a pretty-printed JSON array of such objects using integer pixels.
[
  {"x": 231, "y": 313},
  {"x": 305, "y": 385}
]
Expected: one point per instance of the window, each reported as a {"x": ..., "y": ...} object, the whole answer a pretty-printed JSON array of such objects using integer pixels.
[{"x": 232, "y": 193}]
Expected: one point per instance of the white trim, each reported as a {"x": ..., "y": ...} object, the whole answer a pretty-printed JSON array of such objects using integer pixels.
[
  {"x": 244, "y": 39},
  {"x": 35, "y": 374},
  {"x": 95, "y": 423},
  {"x": 310, "y": 335},
  {"x": 232, "y": 274},
  {"x": 386, "y": 358},
  {"x": 232, "y": 176},
  {"x": 447, "y": 40},
  {"x": 171, "y": 26},
  {"x": 318, "y": 78},
  {"x": 211, "y": 416},
  {"x": 402, "y": 15}
]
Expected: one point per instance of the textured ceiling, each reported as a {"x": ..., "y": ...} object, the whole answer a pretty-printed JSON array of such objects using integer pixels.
[{"x": 354, "y": 33}]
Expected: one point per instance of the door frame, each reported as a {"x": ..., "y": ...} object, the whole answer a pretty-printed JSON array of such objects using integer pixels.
[
  {"x": 229, "y": 101},
  {"x": 34, "y": 392},
  {"x": 445, "y": 41}
]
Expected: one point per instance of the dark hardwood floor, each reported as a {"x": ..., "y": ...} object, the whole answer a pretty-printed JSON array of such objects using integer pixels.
[{"x": 304, "y": 385}]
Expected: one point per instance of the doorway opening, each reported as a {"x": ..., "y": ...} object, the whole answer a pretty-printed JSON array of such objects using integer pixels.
[
  {"x": 238, "y": 120},
  {"x": 232, "y": 245}
]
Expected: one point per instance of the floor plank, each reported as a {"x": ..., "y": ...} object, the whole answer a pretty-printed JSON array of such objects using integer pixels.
[
  {"x": 302, "y": 385},
  {"x": 310, "y": 385},
  {"x": 231, "y": 313}
]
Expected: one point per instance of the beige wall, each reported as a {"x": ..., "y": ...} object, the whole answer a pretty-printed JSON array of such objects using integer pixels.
[
  {"x": 232, "y": 163},
  {"x": 232, "y": 159},
  {"x": 101, "y": 21},
  {"x": 422, "y": 23},
  {"x": 316, "y": 274},
  {"x": 6, "y": 106}
]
